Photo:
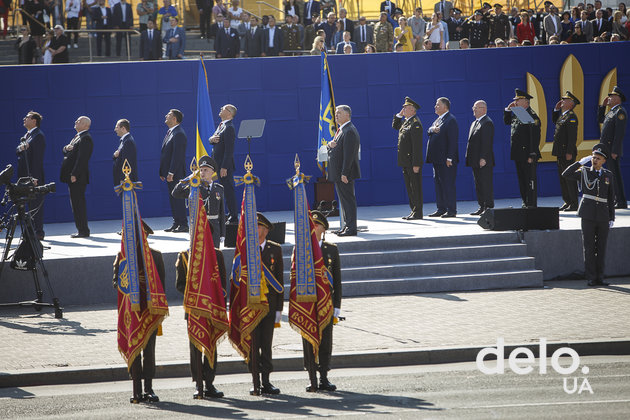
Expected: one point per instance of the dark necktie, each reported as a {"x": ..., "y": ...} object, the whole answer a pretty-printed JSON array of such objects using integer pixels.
[{"x": 363, "y": 33}]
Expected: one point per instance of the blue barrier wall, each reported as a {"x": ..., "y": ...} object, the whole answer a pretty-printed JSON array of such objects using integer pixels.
[{"x": 285, "y": 92}]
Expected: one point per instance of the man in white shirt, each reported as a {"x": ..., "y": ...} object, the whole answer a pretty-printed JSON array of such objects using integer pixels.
[{"x": 73, "y": 7}]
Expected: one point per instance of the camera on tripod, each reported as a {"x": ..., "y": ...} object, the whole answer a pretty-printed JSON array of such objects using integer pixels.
[{"x": 24, "y": 189}]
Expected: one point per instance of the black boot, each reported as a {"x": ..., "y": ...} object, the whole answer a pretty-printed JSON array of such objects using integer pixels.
[
  {"x": 324, "y": 384},
  {"x": 198, "y": 395},
  {"x": 137, "y": 392},
  {"x": 312, "y": 375},
  {"x": 267, "y": 388},
  {"x": 211, "y": 391},
  {"x": 149, "y": 395}
]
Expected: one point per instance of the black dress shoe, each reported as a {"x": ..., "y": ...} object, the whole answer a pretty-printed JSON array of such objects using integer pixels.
[
  {"x": 571, "y": 208},
  {"x": 254, "y": 391},
  {"x": 564, "y": 206},
  {"x": 269, "y": 389},
  {"x": 337, "y": 232},
  {"x": 80, "y": 235},
  {"x": 447, "y": 215},
  {"x": 348, "y": 232},
  {"x": 602, "y": 283},
  {"x": 595, "y": 283},
  {"x": 478, "y": 212},
  {"x": 325, "y": 385},
  {"x": 212, "y": 392},
  {"x": 414, "y": 216},
  {"x": 180, "y": 228},
  {"x": 150, "y": 396},
  {"x": 437, "y": 213},
  {"x": 172, "y": 228}
]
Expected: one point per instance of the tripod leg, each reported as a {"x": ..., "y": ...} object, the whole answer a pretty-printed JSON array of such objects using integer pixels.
[{"x": 7, "y": 244}]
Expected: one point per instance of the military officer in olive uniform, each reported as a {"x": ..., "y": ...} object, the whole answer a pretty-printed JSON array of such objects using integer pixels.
[
  {"x": 262, "y": 335},
  {"x": 613, "y": 132},
  {"x": 524, "y": 151},
  {"x": 212, "y": 196},
  {"x": 597, "y": 210},
  {"x": 291, "y": 34},
  {"x": 410, "y": 154},
  {"x": 200, "y": 368},
  {"x": 330, "y": 255},
  {"x": 564, "y": 146}
]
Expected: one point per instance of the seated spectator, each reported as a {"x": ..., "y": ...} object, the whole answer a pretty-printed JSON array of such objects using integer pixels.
[
  {"x": 618, "y": 27},
  {"x": 577, "y": 36},
  {"x": 347, "y": 49},
  {"x": 554, "y": 38},
  {"x": 427, "y": 45},
  {"x": 25, "y": 46},
  {"x": 526, "y": 43},
  {"x": 346, "y": 41},
  {"x": 464, "y": 44},
  {"x": 491, "y": 44},
  {"x": 500, "y": 43},
  {"x": 318, "y": 45},
  {"x": 369, "y": 49},
  {"x": 599, "y": 39},
  {"x": 567, "y": 26},
  {"x": 513, "y": 42},
  {"x": 399, "y": 47},
  {"x": 615, "y": 37}
]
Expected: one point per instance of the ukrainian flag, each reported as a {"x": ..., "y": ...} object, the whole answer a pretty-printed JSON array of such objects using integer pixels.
[
  {"x": 205, "y": 121},
  {"x": 327, "y": 124}
]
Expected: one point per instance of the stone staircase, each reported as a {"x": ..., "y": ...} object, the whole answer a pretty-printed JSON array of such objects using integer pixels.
[{"x": 442, "y": 264}]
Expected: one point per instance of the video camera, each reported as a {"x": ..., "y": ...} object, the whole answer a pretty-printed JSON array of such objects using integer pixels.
[{"x": 24, "y": 189}]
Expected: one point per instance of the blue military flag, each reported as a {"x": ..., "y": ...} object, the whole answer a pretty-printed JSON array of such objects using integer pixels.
[{"x": 327, "y": 124}]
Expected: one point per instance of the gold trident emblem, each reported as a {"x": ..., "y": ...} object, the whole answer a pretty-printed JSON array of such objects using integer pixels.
[
  {"x": 127, "y": 185},
  {"x": 296, "y": 163},
  {"x": 195, "y": 179},
  {"x": 248, "y": 178}
]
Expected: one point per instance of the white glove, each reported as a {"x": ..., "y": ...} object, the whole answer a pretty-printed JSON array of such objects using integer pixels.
[
  {"x": 586, "y": 160},
  {"x": 611, "y": 223},
  {"x": 336, "y": 312},
  {"x": 222, "y": 239},
  {"x": 278, "y": 317}
]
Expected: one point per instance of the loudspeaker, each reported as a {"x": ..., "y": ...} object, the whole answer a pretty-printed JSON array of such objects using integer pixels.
[
  {"x": 230, "y": 235},
  {"x": 278, "y": 232},
  {"x": 535, "y": 218}
]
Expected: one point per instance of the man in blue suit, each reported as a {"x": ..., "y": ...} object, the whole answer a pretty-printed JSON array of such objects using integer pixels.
[
  {"x": 173, "y": 166},
  {"x": 346, "y": 41},
  {"x": 175, "y": 40},
  {"x": 443, "y": 154},
  {"x": 227, "y": 43},
  {"x": 122, "y": 19},
  {"x": 223, "y": 153},
  {"x": 126, "y": 151},
  {"x": 30, "y": 155}
]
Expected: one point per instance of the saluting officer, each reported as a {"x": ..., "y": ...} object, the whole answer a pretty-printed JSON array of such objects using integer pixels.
[
  {"x": 613, "y": 131},
  {"x": 211, "y": 194},
  {"x": 524, "y": 151},
  {"x": 330, "y": 255},
  {"x": 200, "y": 368},
  {"x": 565, "y": 146},
  {"x": 597, "y": 210},
  {"x": 410, "y": 154},
  {"x": 262, "y": 335}
]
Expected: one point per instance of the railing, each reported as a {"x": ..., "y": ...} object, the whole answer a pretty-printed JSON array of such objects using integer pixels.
[
  {"x": 271, "y": 6},
  {"x": 91, "y": 31},
  {"x": 33, "y": 19}
]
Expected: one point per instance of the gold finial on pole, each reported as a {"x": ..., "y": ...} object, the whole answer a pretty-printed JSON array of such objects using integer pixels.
[
  {"x": 249, "y": 165},
  {"x": 126, "y": 168},
  {"x": 193, "y": 164},
  {"x": 296, "y": 163}
]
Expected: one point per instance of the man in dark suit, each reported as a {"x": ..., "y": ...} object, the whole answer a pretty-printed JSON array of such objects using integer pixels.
[
  {"x": 175, "y": 40},
  {"x": 565, "y": 148},
  {"x": 363, "y": 34},
  {"x": 443, "y": 154},
  {"x": 480, "y": 156},
  {"x": 216, "y": 26},
  {"x": 227, "y": 43},
  {"x": 348, "y": 24},
  {"x": 601, "y": 25},
  {"x": 346, "y": 41},
  {"x": 330, "y": 27},
  {"x": 126, "y": 152},
  {"x": 388, "y": 6},
  {"x": 597, "y": 210},
  {"x": 205, "y": 13},
  {"x": 103, "y": 20},
  {"x": 30, "y": 156},
  {"x": 262, "y": 335},
  {"x": 330, "y": 255},
  {"x": 150, "y": 43},
  {"x": 613, "y": 131},
  {"x": 122, "y": 19},
  {"x": 173, "y": 166},
  {"x": 311, "y": 8},
  {"x": 223, "y": 140},
  {"x": 410, "y": 154},
  {"x": 75, "y": 172},
  {"x": 273, "y": 44},
  {"x": 524, "y": 146},
  {"x": 343, "y": 168},
  {"x": 253, "y": 39}
]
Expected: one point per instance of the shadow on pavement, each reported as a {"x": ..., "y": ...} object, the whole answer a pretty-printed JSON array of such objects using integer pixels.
[{"x": 59, "y": 326}]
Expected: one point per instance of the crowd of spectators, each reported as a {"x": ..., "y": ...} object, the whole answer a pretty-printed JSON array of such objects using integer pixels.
[{"x": 310, "y": 27}]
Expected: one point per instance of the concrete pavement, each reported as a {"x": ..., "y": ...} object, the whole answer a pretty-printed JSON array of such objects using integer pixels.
[{"x": 36, "y": 348}]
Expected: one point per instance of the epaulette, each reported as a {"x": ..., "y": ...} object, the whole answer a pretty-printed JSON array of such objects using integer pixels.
[
  {"x": 273, "y": 243},
  {"x": 329, "y": 244}
]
